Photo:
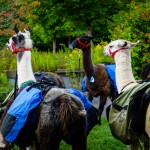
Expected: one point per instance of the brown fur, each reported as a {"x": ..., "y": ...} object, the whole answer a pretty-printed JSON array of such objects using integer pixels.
[
  {"x": 61, "y": 118},
  {"x": 101, "y": 86},
  {"x": 62, "y": 115},
  {"x": 102, "y": 83},
  {"x": 10, "y": 101},
  {"x": 58, "y": 79}
]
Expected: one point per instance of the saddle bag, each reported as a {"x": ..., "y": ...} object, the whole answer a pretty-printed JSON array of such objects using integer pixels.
[
  {"x": 120, "y": 116},
  {"x": 17, "y": 114}
]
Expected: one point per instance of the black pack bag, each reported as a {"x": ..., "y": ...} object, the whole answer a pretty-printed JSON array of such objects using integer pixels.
[{"x": 44, "y": 81}]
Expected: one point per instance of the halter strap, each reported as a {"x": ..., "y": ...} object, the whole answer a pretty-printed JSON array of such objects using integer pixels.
[
  {"x": 82, "y": 45},
  {"x": 127, "y": 85},
  {"x": 16, "y": 50},
  {"x": 112, "y": 54}
]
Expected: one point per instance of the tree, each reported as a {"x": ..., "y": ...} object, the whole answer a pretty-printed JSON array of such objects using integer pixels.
[
  {"x": 134, "y": 25},
  {"x": 71, "y": 18},
  {"x": 10, "y": 14}
]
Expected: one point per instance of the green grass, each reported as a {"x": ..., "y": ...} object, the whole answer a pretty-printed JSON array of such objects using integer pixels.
[{"x": 100, "y": 138}]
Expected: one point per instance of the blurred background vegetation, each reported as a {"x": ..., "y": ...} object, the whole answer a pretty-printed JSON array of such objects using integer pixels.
[{"x": 55, "y": 24}]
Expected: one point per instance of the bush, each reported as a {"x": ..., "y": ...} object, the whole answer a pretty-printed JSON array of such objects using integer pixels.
[
  {"x": 48, "y": 61},
  {"x": 7, "y": 61}
]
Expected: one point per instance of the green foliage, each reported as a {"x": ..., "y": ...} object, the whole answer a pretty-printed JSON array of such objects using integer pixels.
[
  {"x": 98, "y": 54},
  {"x": 50, "y": 21},
  {"x": 133, "y": 25},
  {"x": 48, "y": 61},
  {"x": 72, "y": 60},
  {"x": 7, "y": 62}
]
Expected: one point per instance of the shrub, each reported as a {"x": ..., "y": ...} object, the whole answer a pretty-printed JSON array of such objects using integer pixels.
[
  {"x": 48, "y": 61},
  {"x": 7, "y": 61}
]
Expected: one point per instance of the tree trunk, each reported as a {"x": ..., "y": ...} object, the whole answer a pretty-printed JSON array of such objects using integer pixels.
[
  {"x": 88, "y": 28},
  {"x": 69, "y": 40},
  {"x": 54, "y": 46}
]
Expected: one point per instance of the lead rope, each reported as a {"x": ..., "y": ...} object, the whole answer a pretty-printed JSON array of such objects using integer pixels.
[
  {"x": 140, "y": 144},
  {"x": 15, "y": 89}
]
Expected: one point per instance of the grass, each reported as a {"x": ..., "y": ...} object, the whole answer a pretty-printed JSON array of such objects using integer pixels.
[{"x": 100, "y": 138}]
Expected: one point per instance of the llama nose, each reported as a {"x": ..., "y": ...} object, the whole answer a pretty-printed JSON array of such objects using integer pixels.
[
  {"x": 73, "y": 45},
  {"x": 8, "y": 46}
]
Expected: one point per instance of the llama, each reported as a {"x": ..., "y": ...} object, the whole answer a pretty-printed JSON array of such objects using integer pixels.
[
  {"x": 61, "y": 115},
  {"x": 126, "y": 84},
  {"x": 97, "y": 78}
]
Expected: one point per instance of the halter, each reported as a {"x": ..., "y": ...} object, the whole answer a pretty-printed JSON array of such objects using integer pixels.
[
  {"x": 82, "y": 45},
  {"x": 112, "y": 54},
  {"x": 16, "y": 50}
]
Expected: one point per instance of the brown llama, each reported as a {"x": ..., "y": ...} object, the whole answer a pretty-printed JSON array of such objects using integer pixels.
[{"x": 97, "y": 78}]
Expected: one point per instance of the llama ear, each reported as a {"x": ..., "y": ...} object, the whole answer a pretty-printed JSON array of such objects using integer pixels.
[
  {"x": 27, "y": 32},
  {"x": 122, "y": 43},
  {"x": 16, "y": 29},
  {"x": 134, "y": 44}
]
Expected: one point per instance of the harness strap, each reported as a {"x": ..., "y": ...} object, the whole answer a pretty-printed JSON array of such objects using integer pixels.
[
  {"x": 126, "y": 85},
  {"x": 15, "y": 88},
  {"x": 21, "y": 49},
  {"x": 112, "y": 54},
  {"x": 26, "y": 83},
  {"x": 119, "y": 108},
  {"x": 82, "y": 45}
]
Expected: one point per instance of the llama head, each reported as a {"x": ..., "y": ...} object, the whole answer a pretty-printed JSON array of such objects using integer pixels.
[
  {"x": 20, "y": 41},
  {"x": 81, "y": 42},
  {"x": 115, "y": 46}
]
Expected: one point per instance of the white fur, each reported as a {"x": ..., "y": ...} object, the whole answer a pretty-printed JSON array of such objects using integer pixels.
[
  {"x": 124, "y": 73},
  {"x": 24, "y": 68},
  {"x": 122, "y": 58}
]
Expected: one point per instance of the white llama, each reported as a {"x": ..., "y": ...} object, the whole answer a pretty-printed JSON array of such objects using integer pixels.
[
  {"x": 120, "y": 50},
  {"x": 54, "y": 106}
]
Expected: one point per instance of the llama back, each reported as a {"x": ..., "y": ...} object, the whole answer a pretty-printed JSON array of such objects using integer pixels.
[
  {"x": 71, "y": 111},
  {"x": 61, "y": 114}
]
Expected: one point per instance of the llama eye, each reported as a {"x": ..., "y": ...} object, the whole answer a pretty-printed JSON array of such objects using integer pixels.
[
  {"x": 110, "y": 46},
  {"x": 21, "y": 37},
  {"x": 14, "y": 40}
]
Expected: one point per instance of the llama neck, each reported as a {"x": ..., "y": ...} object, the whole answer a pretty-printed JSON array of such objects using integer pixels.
[
  {"x": 24, "y": 67},
  {"x": 87, "y": 62},
  {"x": 124, "y": 75}
]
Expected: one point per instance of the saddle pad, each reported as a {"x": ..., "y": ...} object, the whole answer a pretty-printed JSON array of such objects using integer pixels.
[
  {"x": 87, "y": 104},
  {"x": 111, "y": 72},
  {"x": 18, "y": 112}
]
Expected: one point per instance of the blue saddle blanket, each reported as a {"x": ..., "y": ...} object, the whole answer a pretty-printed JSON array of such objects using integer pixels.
[
  {"x": 111, "y": 72},
  {"x": 17, "y": 114},
  {"x": 87, "y": 104}
]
